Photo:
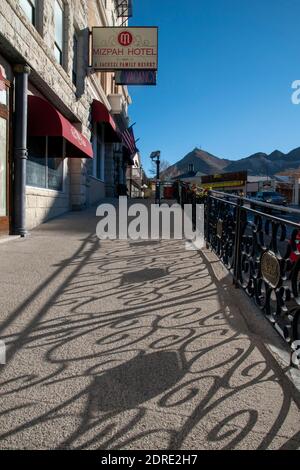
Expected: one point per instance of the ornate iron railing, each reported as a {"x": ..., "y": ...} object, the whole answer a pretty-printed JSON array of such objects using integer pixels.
[{"x": 261, "y": 247}]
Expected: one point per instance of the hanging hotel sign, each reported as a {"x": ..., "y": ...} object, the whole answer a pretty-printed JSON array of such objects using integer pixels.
[
  {"x": 116, "y": 48},
  {"x": 135, "y": 77}
]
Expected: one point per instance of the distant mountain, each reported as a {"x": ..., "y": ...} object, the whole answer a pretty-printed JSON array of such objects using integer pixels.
[
  {"x": 200, "y": 162},
  {"x": 258, "y": 164}
]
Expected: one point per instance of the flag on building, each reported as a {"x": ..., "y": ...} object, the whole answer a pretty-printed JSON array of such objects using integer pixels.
[{"x": 128, "y": 140}]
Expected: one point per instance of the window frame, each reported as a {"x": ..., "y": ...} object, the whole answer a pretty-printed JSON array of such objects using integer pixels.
[
  {"x": 98, "y": 163},
  {"x": 63, "y": 159},
  {"x": 57, "y": 47},
  {"x": 33, "y": 5},
  {"x": 75, "y": 59}
]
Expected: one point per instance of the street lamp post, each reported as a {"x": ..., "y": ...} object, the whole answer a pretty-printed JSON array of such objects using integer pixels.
[{"x": 155, "y": 157}]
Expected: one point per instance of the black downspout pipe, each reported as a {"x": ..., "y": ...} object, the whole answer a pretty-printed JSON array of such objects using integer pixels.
[{"x": 20, "y": 148}]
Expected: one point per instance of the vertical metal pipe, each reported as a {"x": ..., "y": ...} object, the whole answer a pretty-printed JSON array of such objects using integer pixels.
[
  {"x": 207, "y": 221},
  {"x": 237, "y": 246},
  {"x": 20, "y": 148}
]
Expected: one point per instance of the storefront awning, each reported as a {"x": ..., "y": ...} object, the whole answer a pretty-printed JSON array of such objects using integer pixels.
[
  {"x": 101, "y": 114},
  {"x": 45, "y": 120}
]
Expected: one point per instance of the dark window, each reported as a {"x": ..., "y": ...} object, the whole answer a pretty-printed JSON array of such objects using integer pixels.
[
  {"x": 75, "y": 60},
  {"x": 59, "y": 32},
  {"x": 36, "y": 163},
  {"x": 45, "y": 162},
  {"x": 95, "y": 167},
  {"x": 55, "y": 163},
  {"x": 191, "y": 166}
]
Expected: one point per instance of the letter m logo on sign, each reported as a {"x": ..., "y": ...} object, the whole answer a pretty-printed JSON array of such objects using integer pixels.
[{"x": 125, "y": 38}]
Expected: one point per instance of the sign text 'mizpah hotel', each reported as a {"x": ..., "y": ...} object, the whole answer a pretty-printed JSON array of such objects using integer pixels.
[{"x": 124, "y": 48}]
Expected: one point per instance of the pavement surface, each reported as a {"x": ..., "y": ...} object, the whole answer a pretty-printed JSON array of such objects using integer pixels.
[{"x": 134, "y": 345}]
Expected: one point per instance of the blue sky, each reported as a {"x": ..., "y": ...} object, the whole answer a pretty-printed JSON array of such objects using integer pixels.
[{"x": 224, "y": 79}]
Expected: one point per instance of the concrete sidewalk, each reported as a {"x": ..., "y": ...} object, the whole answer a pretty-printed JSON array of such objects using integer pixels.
[{"x": 133, "y": 345}]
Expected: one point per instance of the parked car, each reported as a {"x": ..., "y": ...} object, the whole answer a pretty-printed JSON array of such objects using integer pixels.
[{"x": 270, "y": 197}]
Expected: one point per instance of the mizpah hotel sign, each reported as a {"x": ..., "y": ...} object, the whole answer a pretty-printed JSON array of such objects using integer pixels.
[{"x": 124, "y": 48}]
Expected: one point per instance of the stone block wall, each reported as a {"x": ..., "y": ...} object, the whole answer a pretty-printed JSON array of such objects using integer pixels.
[
  {"x": 45, "y": 204},
  {"x": 96, "y": 191},
  {"x": 24, "y": 42}
]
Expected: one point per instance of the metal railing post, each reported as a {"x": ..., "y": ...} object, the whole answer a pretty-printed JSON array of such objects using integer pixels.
[
  {"x": 237, "y": 243},
  {"x": 206, "y": 220}
]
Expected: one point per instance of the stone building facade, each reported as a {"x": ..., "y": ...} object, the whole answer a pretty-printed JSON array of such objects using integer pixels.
[{"x": 52, "y": 38}]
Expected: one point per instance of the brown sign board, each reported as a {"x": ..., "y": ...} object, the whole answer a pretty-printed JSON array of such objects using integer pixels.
[{"x": 222, "y": 177}]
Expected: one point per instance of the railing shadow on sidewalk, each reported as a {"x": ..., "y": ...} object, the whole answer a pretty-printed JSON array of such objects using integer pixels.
[{"x": 158, "y": 341}]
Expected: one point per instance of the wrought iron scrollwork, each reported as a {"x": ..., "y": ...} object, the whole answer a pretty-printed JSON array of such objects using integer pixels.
[
  {"x": 262, "y": 250},
  {"x": 221, "y": 229}
]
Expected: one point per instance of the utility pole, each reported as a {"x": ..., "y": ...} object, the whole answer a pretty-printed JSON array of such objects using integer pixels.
[{"x": 155, "y": 156}]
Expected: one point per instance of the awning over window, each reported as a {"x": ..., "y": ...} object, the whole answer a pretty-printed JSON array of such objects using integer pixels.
[
  {"x": 45, "y": 120},
  {"x": 101, "y": 114}
]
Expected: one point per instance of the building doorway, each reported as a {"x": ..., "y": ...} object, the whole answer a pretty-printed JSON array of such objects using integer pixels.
[{"x": 4, "y": 161}]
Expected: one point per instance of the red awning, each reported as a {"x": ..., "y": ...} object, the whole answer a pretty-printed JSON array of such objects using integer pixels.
[
  {"x": 45, "y": 120},
  {"x": 101, "y": 114}
]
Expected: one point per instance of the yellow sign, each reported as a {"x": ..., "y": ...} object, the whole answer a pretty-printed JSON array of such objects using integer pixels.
[{"x": 223, "y": 184}]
